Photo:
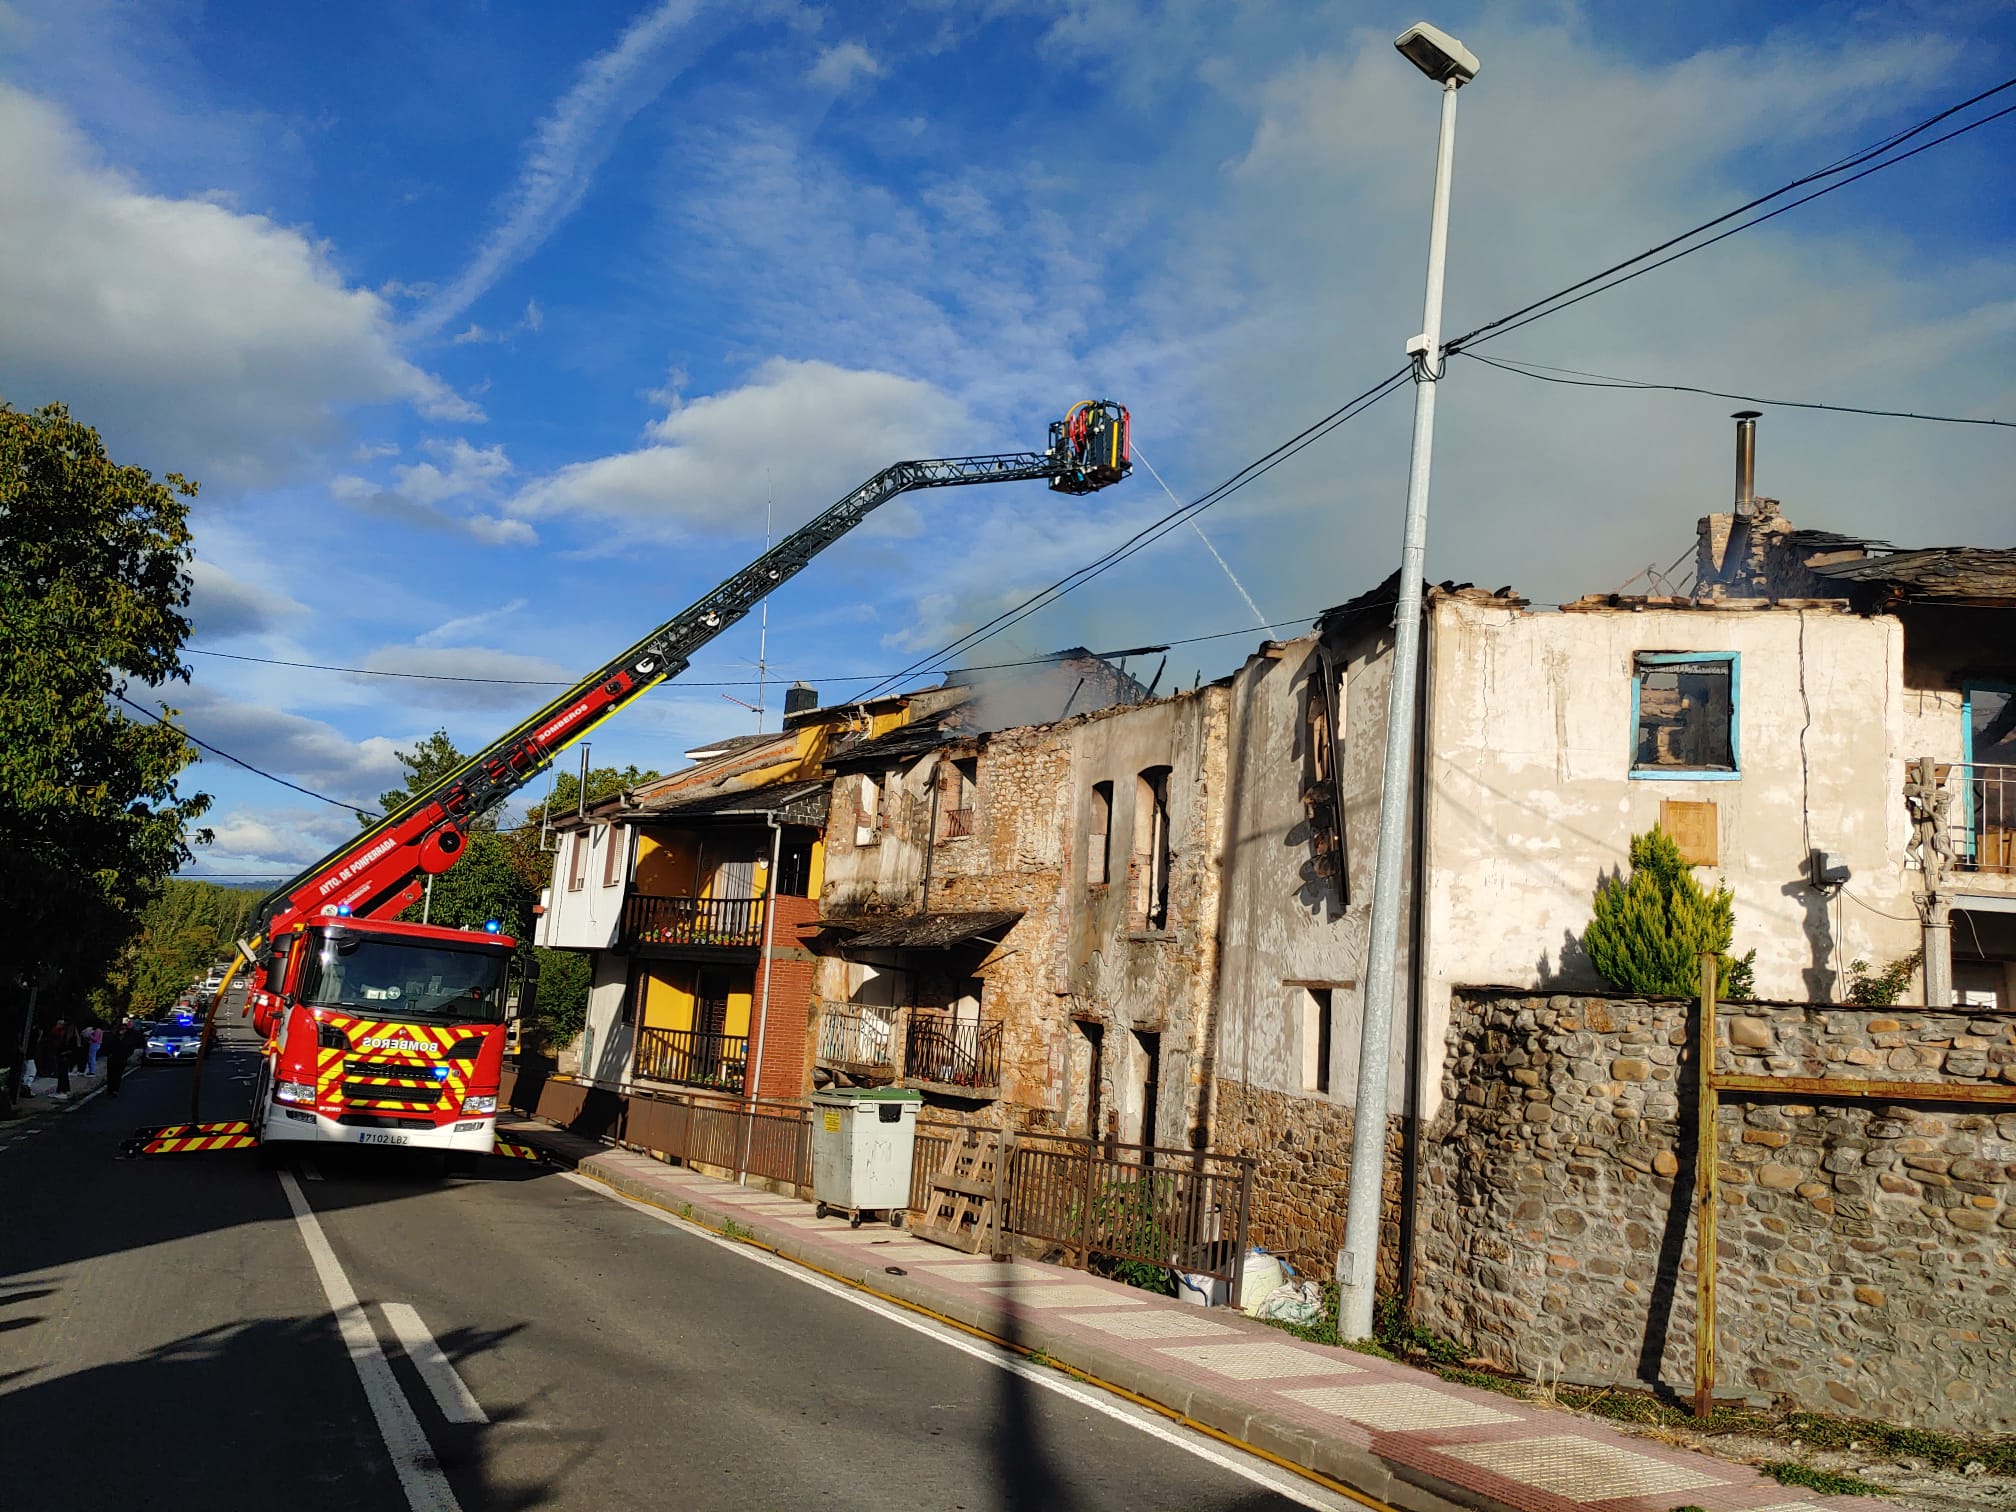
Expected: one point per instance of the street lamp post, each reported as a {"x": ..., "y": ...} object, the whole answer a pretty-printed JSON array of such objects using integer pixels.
[{"x": 1450, "y": 64}]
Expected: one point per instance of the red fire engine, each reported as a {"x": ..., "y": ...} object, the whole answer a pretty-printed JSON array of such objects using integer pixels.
[{"x": 380, "y": 1032}]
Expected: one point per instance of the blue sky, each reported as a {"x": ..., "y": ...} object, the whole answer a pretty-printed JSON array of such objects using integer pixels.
[{"x": 491, "y": 330}]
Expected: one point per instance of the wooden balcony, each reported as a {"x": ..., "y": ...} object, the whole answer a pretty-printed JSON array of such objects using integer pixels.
[
  {"x": 656, "y": 924},
  {"x": 692, "y": 1058}
]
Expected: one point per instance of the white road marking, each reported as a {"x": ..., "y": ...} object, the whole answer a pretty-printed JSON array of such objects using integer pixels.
[
  {"x": 426, "y": 1488},
  {"x": 458, "y": 1403},
  {"x": 1281, "y": 1483}
]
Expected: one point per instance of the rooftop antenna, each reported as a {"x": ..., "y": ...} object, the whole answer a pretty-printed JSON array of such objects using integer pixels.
[{"x": 762, "y": 629}]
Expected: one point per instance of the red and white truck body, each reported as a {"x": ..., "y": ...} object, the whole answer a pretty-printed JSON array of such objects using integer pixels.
[{"x": 382, "y": 1033}]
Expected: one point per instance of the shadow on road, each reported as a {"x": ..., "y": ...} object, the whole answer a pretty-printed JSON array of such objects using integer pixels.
[
  {"x": 202, "y": 1420},
  {"x": 1032, "y": 1474}
]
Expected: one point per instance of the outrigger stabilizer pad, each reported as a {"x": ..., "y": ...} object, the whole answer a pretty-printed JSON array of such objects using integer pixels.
[
  {"x": 512, "y": 1151},
  {"x": 188, "y": 1139}
]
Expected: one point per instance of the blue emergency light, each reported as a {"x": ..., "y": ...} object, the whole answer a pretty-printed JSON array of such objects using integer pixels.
[
  {"x": 491, "y": 926},
  {"x": 342, "y": 910}
]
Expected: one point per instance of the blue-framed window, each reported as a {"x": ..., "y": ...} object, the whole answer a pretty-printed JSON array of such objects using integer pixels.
[
  {"x": 1991, "y": 723},
  {"x": 1686, "y": 715}
]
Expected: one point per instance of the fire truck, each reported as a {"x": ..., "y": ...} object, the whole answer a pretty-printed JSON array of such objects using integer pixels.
[{"x": 382, "y": 1032}]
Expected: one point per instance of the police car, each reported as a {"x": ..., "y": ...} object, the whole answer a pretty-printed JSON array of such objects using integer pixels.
[{"x": 174, "y": 1040}]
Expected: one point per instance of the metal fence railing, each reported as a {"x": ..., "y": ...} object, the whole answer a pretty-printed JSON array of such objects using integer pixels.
[
  {"x": 854, "y": 1038},
  {"x": 1983, "y": 817},
  {"x": 656, "y": 919},
  {"x": 692, "y": 1057},
  {"x": 953, "y": 1052},
  {"x": 1094, "y": 1204},
  {"x": 1109, "y": 1205}
]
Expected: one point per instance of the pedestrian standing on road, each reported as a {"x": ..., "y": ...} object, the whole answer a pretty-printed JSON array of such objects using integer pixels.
[
  {"x": 56, "y": 1053},
  {"x": 94, "y": 1041},
  {"x": 118, "y": 1045}
]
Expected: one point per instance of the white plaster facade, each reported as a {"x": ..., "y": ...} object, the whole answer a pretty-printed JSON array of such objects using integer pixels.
[{"x": 1529, "y": 799}]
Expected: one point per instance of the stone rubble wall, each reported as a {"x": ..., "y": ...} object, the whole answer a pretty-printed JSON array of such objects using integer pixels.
[
  {"x": 1866, "y": 1250},
  {"x": 1303, "y": 1179}
]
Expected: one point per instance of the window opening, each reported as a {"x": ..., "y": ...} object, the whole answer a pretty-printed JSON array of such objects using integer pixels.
[
  {"x": 1316, "y": 1030},
  {"x": 1099, "y": 840},
  {"x": 794, "y": 864},
  {"x": 1151, "y": 848},
  {"x": 1684, "y": 711},
  {"x": 613, "y": 847},
  {"x": 961, "y": 795},
  {"x": 868, "y": 812},
  {"x": 577, "y": 865}
]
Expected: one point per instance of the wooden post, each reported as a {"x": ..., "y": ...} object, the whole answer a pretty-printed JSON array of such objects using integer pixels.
[{"x": 1704, "y": 1192}]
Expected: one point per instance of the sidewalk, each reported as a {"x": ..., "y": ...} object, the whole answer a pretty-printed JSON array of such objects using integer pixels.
[
  {"x": 1399, "y": 1435},
  {"x": 41, "y": 1096}
]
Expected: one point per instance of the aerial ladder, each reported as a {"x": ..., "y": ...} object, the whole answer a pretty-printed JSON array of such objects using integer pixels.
[{"x": 377, "y": 1031}]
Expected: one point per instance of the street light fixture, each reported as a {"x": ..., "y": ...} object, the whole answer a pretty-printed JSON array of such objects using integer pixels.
[
  {"x": 1452, "y": 65},
  {"x": 1437, "y": 54}
]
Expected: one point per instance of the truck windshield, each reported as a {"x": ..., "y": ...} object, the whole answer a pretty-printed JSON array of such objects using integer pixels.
[{"x": 405, "y": 978}]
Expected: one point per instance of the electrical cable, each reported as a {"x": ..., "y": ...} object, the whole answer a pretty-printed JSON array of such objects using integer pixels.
[
  {"x": 747, "y": 682},
  {"x": 241, "y": 761},
  {"x": 1582, "y": 289},
  {"x": 1582, "y": 379}
]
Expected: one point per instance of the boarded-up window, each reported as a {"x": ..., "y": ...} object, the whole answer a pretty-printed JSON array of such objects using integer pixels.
[
  {"x": 1694, "y": 828},
  {"x": 1685, "y": 709},
  {"x": 1099, "y": 836}
]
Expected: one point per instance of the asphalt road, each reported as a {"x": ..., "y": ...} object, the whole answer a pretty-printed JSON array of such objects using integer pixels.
[{"x": 166, "y": 1341}]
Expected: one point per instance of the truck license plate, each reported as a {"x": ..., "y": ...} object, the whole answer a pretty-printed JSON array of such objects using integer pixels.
[{"x": 369, "y": 1137}]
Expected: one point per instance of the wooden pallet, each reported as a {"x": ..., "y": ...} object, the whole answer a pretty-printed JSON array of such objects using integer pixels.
[{"x": 968, "y": 1196}]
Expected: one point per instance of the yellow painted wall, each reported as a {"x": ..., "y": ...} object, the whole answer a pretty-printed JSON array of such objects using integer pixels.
[
  {"x": 668, "y": 997},
  {"x": 818, "y": 870},
  {"x": 669, "y": 1000},
  {"x": 665, "y": 864}
]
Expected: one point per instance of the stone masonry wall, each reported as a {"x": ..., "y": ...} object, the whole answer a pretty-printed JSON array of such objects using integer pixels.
[
  {"x": 1866, "y": 1250},
  {"x": 1303, "y": 1146}
]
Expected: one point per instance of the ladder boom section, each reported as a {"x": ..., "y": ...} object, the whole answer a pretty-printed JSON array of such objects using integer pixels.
[{"x": 384, "y": 869}]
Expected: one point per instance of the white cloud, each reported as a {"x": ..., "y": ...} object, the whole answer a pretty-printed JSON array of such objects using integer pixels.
[
  {"x": 841, "y": 68},
  {"x": 420, "y": 493},
  {"x": 302, "y": 750},
  {"x": 559, "y": 168},
  {"x": 221, "y": 605},
  {"x": 448, "y": 630},
  {"x": 799, "y": 432},
  {"x": 198, "y": 338},
  {"x": 278, "y": 842}
]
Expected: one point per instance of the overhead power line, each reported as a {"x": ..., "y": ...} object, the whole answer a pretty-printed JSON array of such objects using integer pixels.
[
  {"x": 1581, "y": 379},
  {"x": 1153, "y": 531},
  {"x": 241, "y": 761},
  {"x": 1616, "y": 273}
]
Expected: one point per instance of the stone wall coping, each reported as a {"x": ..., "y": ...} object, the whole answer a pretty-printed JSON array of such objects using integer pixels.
[{"x": 1726, "y": 1006}]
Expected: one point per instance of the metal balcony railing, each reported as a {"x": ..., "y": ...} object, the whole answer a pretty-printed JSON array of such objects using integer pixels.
[
  {"x": 1982, "y": 816},
  {"x": 692, "y": 1057},
  {"x": 958, "y": 823},
  {"x": 652, "y": 919},
  {"x": 854, "y": 1038},
  {"x": 947, "y": 1051}
]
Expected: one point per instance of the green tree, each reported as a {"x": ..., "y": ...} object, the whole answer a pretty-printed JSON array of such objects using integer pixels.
[
  {"x": 426, "y": 764},
  {"x": 185, "y": 930},
  {"x": 1650, "y": 929},
  {"x": 93, "y": 581}
]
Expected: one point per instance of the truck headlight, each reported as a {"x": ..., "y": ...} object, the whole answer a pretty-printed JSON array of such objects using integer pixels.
[
  {"x": 479, "y": 1104},
  {"x": 294, "y": 1092}
]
